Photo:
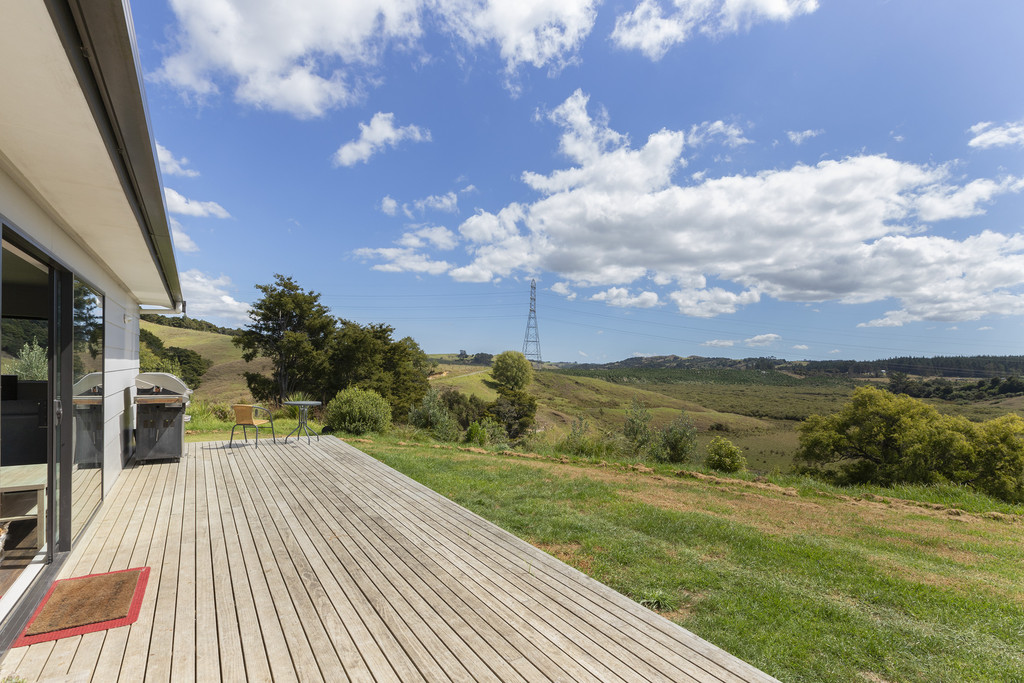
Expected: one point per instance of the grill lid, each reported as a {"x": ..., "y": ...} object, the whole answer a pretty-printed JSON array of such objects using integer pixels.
[{"x": 150, "y": 383}]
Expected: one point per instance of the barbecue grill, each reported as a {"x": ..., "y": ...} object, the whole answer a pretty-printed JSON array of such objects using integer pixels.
[{"x": 161, "y": 400}]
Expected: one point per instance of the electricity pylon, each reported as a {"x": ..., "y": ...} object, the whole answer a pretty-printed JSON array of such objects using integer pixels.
[{"x": 531, "y": 342}]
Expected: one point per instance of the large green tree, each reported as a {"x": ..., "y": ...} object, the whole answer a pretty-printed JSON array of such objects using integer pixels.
[
  {"x": 511, "y": 370},
  {"x": 366, "y": 357},
  {"x": 294, "y": 330}
]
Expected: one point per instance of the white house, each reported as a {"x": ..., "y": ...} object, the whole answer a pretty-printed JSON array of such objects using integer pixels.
[{"x": 85, "y": 243}]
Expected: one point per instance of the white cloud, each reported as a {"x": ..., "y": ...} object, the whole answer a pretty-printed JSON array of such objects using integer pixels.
[
  {"x": 650, "y": 30},
  {"x": 171, "y": 165},
  {"x": 562, "y": 289},
  {"x": 380, "y": 133},
  {"x": 389, "y": 205},
  {"x": 402, "y": 259},
  {"x": 801, "y": 347},
  {"x": 851, "y": 231},
  {"x": 762, "y": 340},
  {"x": 176, "y": 203},
  {"x": 985, "y": 328},
  {"x": 800, "y": 137},
  {"x": 720, "y": 343},
  {"x": 208, "y": 298},
  {"x": 182, "y": 242},
  {"x": 437, "y": 237},
  {"x": 987, "y": 134},
  {"x": 730, "y": 133},
  {"x": 618, "y": 296},
  {"x": 310, "y": 57},
  {"x": 448, "y": 203}
]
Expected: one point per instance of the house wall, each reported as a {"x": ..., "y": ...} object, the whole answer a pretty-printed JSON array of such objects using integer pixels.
[{"x": 29, "y": 217}]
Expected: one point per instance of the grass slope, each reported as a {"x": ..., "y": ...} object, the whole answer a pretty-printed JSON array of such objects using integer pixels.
[
  {"x": 805, "y": 583},
  {"x": 223, "y": 382}
]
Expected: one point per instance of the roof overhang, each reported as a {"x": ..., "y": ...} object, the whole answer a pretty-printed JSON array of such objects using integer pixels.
[{"x": 75, "y": 135}]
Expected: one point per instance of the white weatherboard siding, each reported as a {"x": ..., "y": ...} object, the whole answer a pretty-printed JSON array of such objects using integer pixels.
[{"x": 121, "y": 348}]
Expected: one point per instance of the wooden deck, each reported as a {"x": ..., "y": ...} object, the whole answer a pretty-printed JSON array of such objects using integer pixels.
[{"x": 316, "y": 562}]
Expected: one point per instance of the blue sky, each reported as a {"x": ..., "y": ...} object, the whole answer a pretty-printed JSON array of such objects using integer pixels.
[{"x": 807, "y": 179}]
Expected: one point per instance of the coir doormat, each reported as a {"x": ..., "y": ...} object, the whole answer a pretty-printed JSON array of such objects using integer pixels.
[{"x": 85, "y": 604}]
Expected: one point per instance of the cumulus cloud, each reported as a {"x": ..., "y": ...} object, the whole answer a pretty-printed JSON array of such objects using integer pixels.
[
  {"x": 310, "y": 57},
  {"x": 652, "y": 31},
  {"x": 448, "y": 202},
  {"x": 621, "y": 297},
  {"x": 403, "y": 259},
  {"x": 437, "y": 237},
  {"x": 208, "y": 297},
  {"x": 171, "y": 165},
  {"x": 802, "y": 136},
  {"x": 380, "y": 133},
  {"x": 801, "y": 347},
  {"x": 730, "y": 134},
  {"x": 177, "y": 203},
  {"x": 182, "y": 242},
  {"x": 853, "y": 230},
  {"x": 389, "y": 205},
  {"x": 987, "y": 134},
  {"x": 720, "y": 343},
  {"x": 563, "y": 289},
  {"x": 762, "y": 340}
]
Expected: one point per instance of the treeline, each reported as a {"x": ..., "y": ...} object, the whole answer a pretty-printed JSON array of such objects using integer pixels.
[
  {"x": 975, "y": 367},
  {"x": 184, "y": 363},
  {"x": 662, "y": 375},
  {"x": 940, "y": 387},
  {"x": 680, "y": 363},
  {"x": 186, "y": 323}
]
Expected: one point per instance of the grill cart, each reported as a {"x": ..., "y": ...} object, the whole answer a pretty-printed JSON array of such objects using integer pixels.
[{"x": 161, "y": 400}]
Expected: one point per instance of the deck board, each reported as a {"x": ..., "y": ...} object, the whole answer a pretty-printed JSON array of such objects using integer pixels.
[{"x": 312, "y": 561}]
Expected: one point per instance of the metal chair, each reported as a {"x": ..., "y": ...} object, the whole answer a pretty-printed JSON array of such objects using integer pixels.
[{"x": 245, "y": 417}]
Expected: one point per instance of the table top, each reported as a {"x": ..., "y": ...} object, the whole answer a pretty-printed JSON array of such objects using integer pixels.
[
  {"x": 22, "y": 477},
  {"x": 308, "y": 404}
]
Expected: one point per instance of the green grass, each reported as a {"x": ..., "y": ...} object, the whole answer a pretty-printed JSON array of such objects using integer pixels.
[{"x": 807, "y": 584}]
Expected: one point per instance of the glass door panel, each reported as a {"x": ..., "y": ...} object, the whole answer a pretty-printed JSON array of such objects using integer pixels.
[{"x": 87, "y": 405}]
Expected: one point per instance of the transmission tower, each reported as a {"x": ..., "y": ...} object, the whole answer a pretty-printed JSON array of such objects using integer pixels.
[{"x": 531, "y": 342}]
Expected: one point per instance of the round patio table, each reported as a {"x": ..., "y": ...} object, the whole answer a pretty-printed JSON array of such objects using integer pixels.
[{"x": 303, "y": 426}]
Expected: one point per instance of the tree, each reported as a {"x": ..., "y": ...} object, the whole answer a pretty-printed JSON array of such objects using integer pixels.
[
  {"x": 676, "y": 442},
  {"x": 365, "y": 356},
  {"x": 515, "y": 410},
  {"x": 294, "y": 330},
  {"x": 511, "y": 370}
]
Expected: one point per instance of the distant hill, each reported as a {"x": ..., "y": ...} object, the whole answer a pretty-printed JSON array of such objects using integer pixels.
[
  {"x": 975, "y": 367},
  {"x": 223, "y": 382},
  {"x": 186, "y": 323}
]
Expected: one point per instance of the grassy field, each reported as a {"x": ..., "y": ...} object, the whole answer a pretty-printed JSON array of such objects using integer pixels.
[{"x": 803, "y": 581}]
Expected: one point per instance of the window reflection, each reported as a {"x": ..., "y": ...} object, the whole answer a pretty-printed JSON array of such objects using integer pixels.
[{"x": 87, "y": 402}]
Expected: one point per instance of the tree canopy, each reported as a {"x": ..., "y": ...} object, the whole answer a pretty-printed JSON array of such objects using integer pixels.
[
  {"x": 883, "y": 438},
  {"x": 314, "y": 352},
  {"x": 511, "y": 370}
]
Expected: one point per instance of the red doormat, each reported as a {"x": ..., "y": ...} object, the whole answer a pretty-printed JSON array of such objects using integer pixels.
[{"x": 85, "y": 604}]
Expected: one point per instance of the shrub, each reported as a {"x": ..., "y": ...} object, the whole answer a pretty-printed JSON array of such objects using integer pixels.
[
  {"x": 676, "y": 442},
  {"x": 723, "y": 456},
  {"x": 486, "y": 432},
  {"x": 514, "y": 410},
  {"x": 637, "y": 429},
  {"x": 358, "y": 411},
  {"x": 432, "y": 414}
]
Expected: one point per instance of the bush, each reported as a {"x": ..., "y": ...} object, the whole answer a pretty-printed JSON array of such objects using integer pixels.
[
  {"x": 486, "y": 432},
  {"x": 723, "y": 456},
  {"x": 637, "y": 429},
  {"x": 432, "y": 414},
  {"x": 515, "y": 411},
  {"x": 579, "y": 442},
  {"x": 358, "y": 411},
  {"x": 293, "y": 411},
  {"x": 676, "y": 442}
]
